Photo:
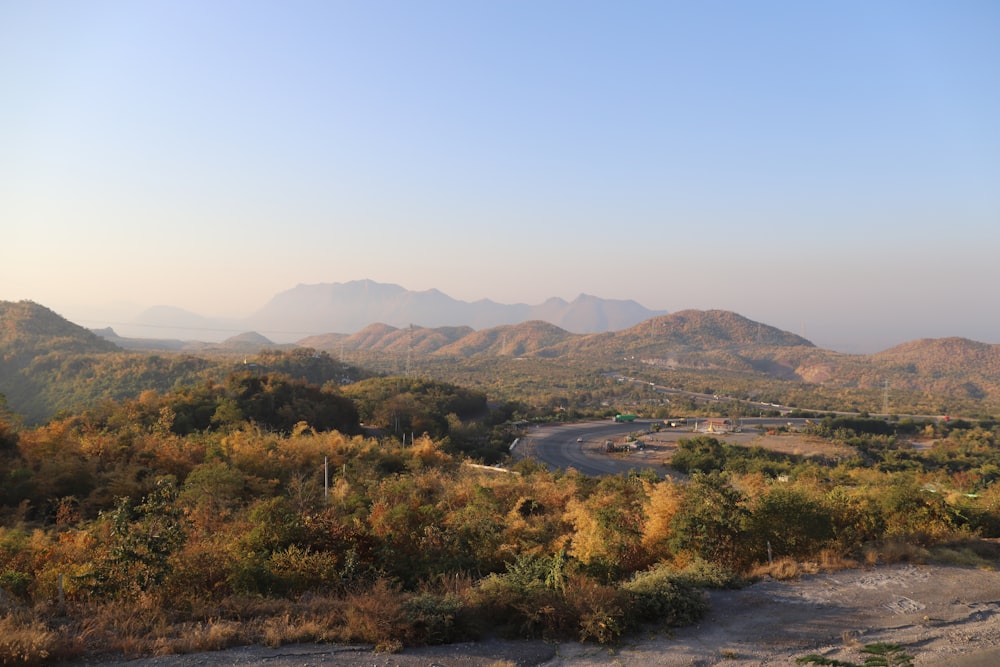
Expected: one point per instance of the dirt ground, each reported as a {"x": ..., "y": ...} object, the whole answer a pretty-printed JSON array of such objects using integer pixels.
[
  {"x": 661, "y": 446},
  {"x": 943, "y": 615}
]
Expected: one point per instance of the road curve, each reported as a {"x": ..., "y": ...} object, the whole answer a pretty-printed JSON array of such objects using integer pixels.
[{"x": 560, "y": 447}]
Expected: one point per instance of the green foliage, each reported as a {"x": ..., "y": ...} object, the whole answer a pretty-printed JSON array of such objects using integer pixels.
[
  {"x": 663, "y": 595},
  {"x": 855, "y": 425},
  {"x": 700, "y": 573},
  {"x": 788, "y": 522},
  {"x": 701, "y": 454},
  {"x": 876, "y": 655},
  {"x": 539, "y": 597},
  {"x": 142, "y": 538},
  {"x": 410, "y": 405},
  {"x": 711, "y": 523},
  {"x": 437, "y": 619}
]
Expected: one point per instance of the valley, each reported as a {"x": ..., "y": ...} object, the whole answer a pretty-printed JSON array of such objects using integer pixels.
[{"x": 398, "y": 489}]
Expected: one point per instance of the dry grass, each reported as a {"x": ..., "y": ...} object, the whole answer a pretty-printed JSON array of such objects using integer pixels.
[
  {"x": 130, "y": 627},
  {"x": 375, "y": 616},
  {"x": 830, "y": 560},
  {"x": 785, "y": 569},
  {"x": 894, "y": 551},
  {"x": 198, "y": 637},
  {"x": 27, "y": 641},
  {"x": 982, "y": 554},
  {"x": 781, "y": 569},
  {"x": 381, "y": 615}
]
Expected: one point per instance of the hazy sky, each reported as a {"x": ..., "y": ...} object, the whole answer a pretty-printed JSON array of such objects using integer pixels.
[{"x": 831, "y": 168}]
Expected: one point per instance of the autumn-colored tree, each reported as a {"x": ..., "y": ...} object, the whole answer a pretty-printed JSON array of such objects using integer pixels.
[
  {"x": 665, "y": 500},
  {"x": 608, "y": 526}
]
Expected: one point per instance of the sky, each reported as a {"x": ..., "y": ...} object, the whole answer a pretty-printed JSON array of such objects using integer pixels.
[{"x": 831, "y": 168}]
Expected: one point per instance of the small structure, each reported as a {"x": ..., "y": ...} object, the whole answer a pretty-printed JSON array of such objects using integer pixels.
[{"x": 714, "y": 426}]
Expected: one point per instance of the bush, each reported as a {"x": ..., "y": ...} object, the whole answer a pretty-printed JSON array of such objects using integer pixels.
[
  {"x": 538, "y": 597},
  {"x": 700, "y": 573},
  {"x": 436, "y": 619},
  {"x": 661, "y": 595},
  {"x": 376, "y": 616}
]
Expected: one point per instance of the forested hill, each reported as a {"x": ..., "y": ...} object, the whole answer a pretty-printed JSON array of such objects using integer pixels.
[
  {"x": 28, "y": 329},
  {"x": 49, "y": 364},
  {"x": 713, "y": 341},
  {"x": 944, "y": 366},
  {"x": 689, "y": 330}
]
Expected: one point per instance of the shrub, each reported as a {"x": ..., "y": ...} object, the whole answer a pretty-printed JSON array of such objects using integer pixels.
[
  {"x": 660, "y": 595},
  {"x": 376, "y": 616},
  {"x": 539, "y": 597},
  {"x": 436, "y": 619},
  {"x": 700, "y": 573},
  {"x": 787, "y": 522},
  {"x": 598, "y": 611}
]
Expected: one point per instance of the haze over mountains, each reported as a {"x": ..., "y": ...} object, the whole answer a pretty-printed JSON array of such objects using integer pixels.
[{"x": 349, "y": 307}]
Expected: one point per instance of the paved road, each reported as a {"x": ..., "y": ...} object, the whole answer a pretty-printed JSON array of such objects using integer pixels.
[
  {"x": 560, "y": 448},
  {"x": 581, "y": 446}
]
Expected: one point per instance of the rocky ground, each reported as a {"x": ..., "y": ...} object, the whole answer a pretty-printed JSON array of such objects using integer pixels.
[{"x": 943, "y": 615}]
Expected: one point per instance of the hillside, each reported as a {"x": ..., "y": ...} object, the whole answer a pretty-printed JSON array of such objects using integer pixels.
[
  {"x": 49, "y": 363},
  {"x": 931, "y": 373},
  {"x": 28, "y": 329},
  {"x": 525, "y": 339},
  {"x": 943, "y": 366}
]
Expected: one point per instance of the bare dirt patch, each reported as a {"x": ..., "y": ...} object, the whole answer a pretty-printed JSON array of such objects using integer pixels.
[
  {"x": 660, "y": 447},
  {"x": 801, "y": 445}
]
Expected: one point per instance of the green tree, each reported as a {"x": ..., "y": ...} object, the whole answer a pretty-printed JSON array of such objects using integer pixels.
[
  {"x": 711, "y": 523},
  {"x": 788, "y": 522},
  {"x": 701, "y": 454},
  {"x": 142, "y": 537}
]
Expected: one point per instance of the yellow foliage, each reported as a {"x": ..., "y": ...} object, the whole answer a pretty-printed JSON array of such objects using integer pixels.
[
  {"x": 665, "y": 500},
  {"x": 589, "y": 541},
  {"x": 427, "y": 453}
]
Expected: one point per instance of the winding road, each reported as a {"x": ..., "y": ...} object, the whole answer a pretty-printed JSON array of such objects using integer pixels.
[{"x": 581, "y": 447}]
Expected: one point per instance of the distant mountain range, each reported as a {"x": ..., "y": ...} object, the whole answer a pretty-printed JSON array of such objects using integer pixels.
[
  {"x": 39, "y": 353},
  {"x": 350, "y": 307},
  {"x": 689, "y": 340}
]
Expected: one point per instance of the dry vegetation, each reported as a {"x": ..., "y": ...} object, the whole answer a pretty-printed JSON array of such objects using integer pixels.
[
  {"x": 200, "y": 517},
  {"x": 170, "y": 544}
]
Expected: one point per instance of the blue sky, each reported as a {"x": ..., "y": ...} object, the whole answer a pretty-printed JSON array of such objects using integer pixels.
[{"x": 830, "y": 168}]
